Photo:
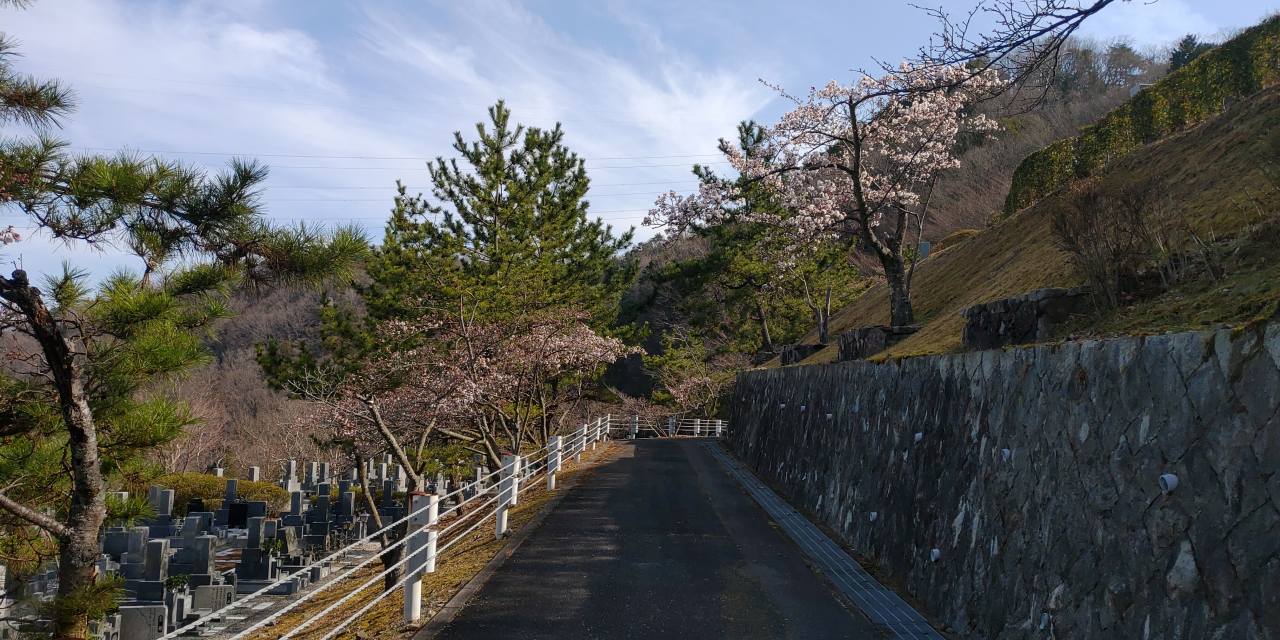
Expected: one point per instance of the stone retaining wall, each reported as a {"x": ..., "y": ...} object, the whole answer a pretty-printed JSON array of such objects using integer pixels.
[{"x": 1035, "y": 474}]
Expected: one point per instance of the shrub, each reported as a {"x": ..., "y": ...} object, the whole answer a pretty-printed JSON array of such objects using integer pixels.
[
  {"x": 1243, "y": 66},
  {"x": 1127, "y": 243},
  {"x": 211, "y": 489}
]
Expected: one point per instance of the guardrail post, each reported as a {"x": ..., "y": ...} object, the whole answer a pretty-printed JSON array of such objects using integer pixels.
[
  {"x": 697, "y": 427},
  {"x": 608, "y": 421},
  {"x": 507, "y": 486},
  {"x": 581, "y": 436},
  {"x": 671, "y": 426},
  {"x": 635, "y": 426},
  {"x": 719, "y": 427},
  {"x": 553, "y": 461},
  {"x": 424, "y": 514}
]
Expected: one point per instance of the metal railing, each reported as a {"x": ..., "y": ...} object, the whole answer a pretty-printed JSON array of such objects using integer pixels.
[
  {"x": 424, "y": 540},
  {"x": 637, "y": 426}
]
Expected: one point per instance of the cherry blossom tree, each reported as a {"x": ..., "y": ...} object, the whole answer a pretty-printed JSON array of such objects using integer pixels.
[{"x": 852, "y": 163}]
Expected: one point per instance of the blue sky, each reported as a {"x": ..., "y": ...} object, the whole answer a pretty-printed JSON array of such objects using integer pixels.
[{"x": 341, "y": 99}]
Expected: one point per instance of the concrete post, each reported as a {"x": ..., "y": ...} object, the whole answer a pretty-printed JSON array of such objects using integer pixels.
[
  {"x": 553, "y": 461},
  {"x": 697, "y": 427},
  {"x": 635, "y": 426},
  {"x": 581, "y": 436},
  {"x": 719, "y": 427},
  {"x": 608, "y": 421},
  {"x": 515, "y": 480},
  {"x": 507, "y": 488},
  {"x": 433, "y": 534},
  {"x": 424, "y": 513}
]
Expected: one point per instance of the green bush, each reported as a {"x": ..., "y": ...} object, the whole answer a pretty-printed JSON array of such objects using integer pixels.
[
  {"x": 1243, "y": 66},
  {"x": 211, "y": 489}
]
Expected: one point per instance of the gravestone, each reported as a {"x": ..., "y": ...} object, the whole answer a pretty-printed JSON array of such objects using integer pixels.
[
  {"x": 143, "y": 622},
  {"x": 255, "y": 562},
  {"x": 161, "y": 500},
  {"x": 156, "y": 565},
  {"x": 212, "y": 597},
  {"x": 237, "y": 515},
  {"x": 255, "y": 474},
  {"x": 133, "y": 561}
]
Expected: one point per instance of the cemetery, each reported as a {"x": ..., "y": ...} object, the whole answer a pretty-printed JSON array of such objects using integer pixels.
[{"x": 187, "y": 561}]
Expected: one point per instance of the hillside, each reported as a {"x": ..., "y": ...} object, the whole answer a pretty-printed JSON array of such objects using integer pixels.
[{"x": 1215, "y": 178}]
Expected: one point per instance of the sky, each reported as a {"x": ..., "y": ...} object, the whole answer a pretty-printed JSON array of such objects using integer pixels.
[{"x": 342, "y": 99}]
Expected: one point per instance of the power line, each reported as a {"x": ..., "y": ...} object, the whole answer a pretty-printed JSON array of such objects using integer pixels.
[
  {"x": 421, "y": 188},
  {"x": 336, "y": 157},
  {"x": 629, "y": 166},
  {"x": 388, "y": 200}
]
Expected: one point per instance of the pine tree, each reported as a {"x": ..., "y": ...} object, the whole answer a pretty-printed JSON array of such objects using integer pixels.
[
  {"x": 1188, "y": 49},
  {"x": 77, "y": 400},
  {"x": 511, "y": 232}
]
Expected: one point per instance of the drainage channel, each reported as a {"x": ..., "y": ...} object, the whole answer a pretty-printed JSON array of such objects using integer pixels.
[{"x": 881, "y": 605}]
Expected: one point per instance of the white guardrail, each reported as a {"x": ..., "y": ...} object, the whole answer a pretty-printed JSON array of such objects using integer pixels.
[
  {"x": 428, "y": 526},
  {"x": 669, "y": 427}
]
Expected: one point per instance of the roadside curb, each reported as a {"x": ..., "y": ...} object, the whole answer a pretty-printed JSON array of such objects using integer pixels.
[{"x": 454, "y": 606}]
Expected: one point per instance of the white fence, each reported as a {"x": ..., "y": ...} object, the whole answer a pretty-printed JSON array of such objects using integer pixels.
[
  {"x": 636, "y": 426},
  {"x": 431, "y": 531}
]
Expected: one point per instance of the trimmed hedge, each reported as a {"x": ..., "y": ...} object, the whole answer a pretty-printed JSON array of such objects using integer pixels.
[
  {"x": 1240, "y": 67},
  {"x": 211, "y": 489}
]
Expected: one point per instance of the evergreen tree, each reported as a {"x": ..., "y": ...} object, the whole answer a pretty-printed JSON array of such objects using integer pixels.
[
  {"x": 510, "y": 232},
  {"x": 79, "y": 413},
  {"x": 1188, "y": 49},
  {"x": 503, "y": 254}
]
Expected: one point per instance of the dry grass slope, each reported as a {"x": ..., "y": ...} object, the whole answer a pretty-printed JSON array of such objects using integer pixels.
[{"x": 1212, "y": 175}]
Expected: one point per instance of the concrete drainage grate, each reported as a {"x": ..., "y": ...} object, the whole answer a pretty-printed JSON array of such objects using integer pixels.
[{"x": 881, "y": 605}]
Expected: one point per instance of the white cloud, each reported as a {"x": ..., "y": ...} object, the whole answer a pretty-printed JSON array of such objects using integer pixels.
[
  {"x": 1148, "y": 24},
  {"x": 233, "y": 77}
]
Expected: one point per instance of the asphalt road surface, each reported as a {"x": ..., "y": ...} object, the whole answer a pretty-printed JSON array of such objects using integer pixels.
[{"x": 658, "y": 543}]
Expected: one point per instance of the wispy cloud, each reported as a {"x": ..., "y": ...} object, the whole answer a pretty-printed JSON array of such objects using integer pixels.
[{"x": 342, "y": 100}]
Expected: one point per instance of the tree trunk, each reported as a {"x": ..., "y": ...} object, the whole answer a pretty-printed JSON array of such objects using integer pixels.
[
  {"x": 78, "y": 543},
  {"x": 900, "y": 312},
  {"x": 388, "y": 558},
  {"x": 824, "y": 319},
  {"x": 766, "y": 338}
]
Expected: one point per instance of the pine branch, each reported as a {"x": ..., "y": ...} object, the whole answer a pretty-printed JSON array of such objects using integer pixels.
[{"x": 34, "y": 517}]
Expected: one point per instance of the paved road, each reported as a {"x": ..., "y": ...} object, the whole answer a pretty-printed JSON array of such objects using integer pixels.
[{"x": 658, "y": 543}]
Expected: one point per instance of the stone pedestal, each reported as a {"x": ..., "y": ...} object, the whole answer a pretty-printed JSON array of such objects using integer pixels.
[
  {"x": 863, "y": 342},
  {"x": 793, "y": 353},
  {"x": 1025, "y": 319}
]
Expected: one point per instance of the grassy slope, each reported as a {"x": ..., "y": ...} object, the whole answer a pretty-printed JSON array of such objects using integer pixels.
[{"x": 1204, "y": 171}]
